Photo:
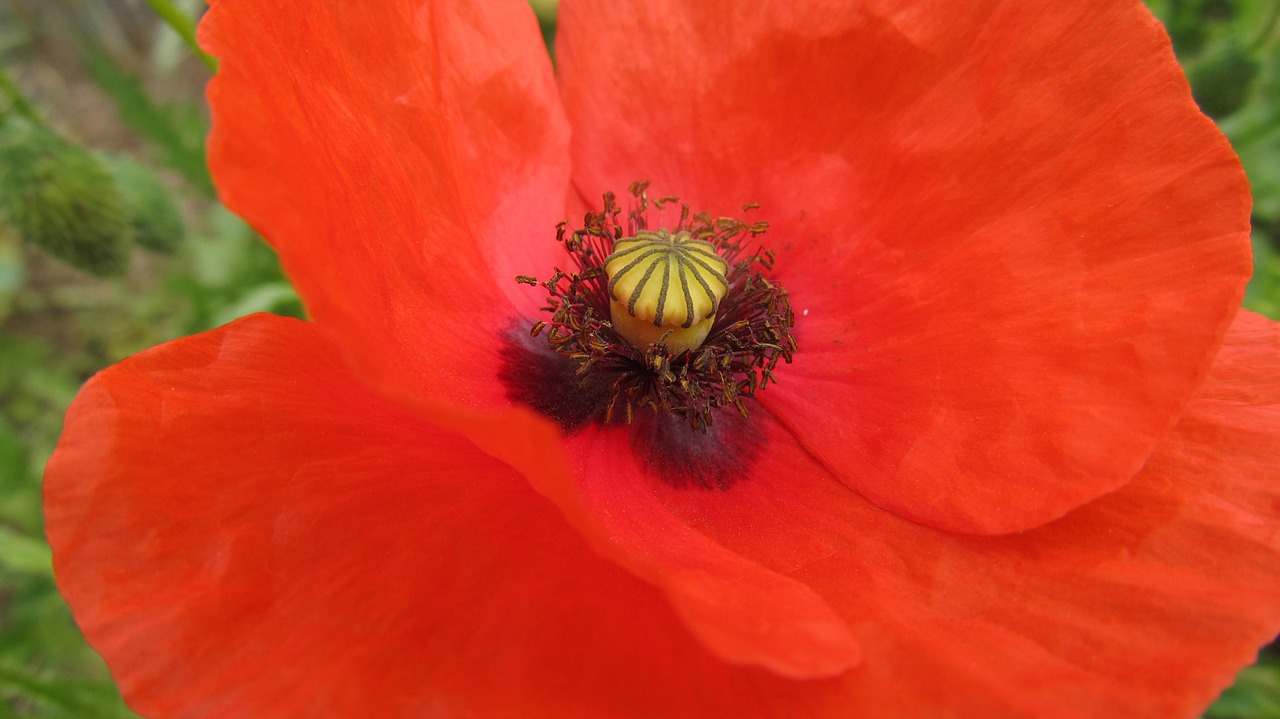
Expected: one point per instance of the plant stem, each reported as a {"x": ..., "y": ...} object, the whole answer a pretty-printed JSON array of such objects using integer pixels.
[
  {"x": 185, "y": 27},
  {"x": 17, "y": 101}
]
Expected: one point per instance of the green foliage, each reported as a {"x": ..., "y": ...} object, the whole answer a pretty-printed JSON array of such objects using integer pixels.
[
  {"x": 177, "y": 129},
  {"x": 13, "y": 270},
  {"x": 58, "y": 327},
  {"x": 1256, "y": 694}
]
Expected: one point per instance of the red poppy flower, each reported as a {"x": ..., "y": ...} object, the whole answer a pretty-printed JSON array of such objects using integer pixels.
[{"x": 1022, "y": 462}]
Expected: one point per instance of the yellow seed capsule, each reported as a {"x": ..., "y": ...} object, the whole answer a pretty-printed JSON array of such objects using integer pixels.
[{"x": 665, "y": 285}]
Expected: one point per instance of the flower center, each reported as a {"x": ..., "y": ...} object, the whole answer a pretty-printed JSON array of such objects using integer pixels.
[
  {"x": 676, "y": 317},
  {"x": 665, "y": 288}
]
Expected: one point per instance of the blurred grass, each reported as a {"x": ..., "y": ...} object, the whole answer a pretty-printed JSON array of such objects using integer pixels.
[{"x": 108, "y": 74}]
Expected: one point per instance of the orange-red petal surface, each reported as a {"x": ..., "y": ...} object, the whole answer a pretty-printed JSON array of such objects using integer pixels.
[
  {"x": 1014, "y": 248},
  {"x": 1012, "y": 241},
  {"x": 1143, "y": 603},
  {"x": 407, "y": 159},
  {"x": 742, "y": 611},
  {"x": 243, "y": 531}
]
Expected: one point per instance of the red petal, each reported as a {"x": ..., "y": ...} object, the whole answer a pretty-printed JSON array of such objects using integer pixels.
[
  {"x": 407, "y": 159},
  {"x": 742, "y": 612},
  {"x": 1143, "y": 603},
  {"x": 243, "y": 531},
  {"x": 1013, "y": 241}
]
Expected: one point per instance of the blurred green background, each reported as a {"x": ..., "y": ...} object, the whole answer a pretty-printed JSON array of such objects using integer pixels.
[{"x": 121, "y": 93}]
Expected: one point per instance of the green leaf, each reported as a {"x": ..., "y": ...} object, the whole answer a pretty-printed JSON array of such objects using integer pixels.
[
  {"x": 13, "y": 269},
  {"x": 1263, "y": 292},
  {"x": 270, "y": 297},
  {"x": 21, "y": 553},
  {"x": 1255, "y": 695},
  {"x": 63, "y": 697}
]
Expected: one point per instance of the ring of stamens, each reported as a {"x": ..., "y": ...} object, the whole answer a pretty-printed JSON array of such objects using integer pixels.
[{"x": 624, "y": 280}]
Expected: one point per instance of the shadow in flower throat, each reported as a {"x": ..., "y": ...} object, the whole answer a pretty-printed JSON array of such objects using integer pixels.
[{"x": 665, "y": 444}]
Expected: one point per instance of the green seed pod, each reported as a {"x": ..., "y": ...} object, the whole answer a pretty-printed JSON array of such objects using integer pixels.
[
  {"x": 61, "y": 197},
  {"x": 152, "y": 212}
]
